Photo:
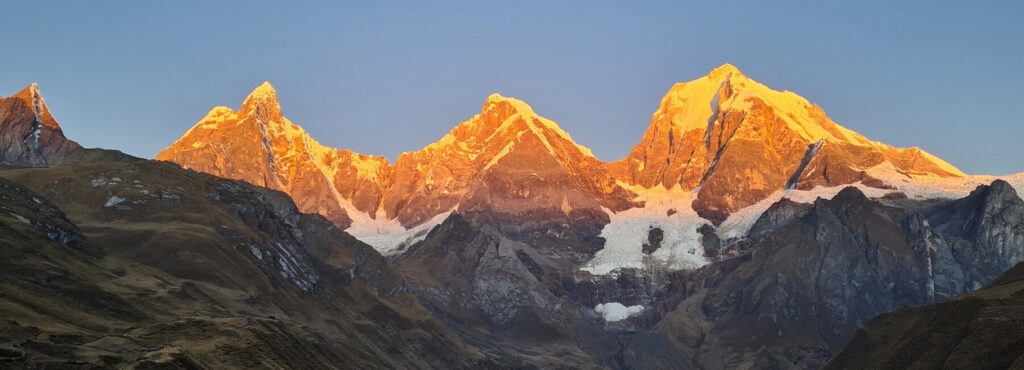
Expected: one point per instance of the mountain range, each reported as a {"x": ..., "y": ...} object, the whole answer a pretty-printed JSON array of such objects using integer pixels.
[
  {"x": 746, "y": 229},
  {"x": 728, "y": 142}
]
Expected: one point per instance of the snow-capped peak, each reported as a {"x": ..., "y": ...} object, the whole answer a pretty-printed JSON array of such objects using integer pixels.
[
  {"x": 723, "y": 70},
  {"x": 694, "y": 105},
  {"x": 264, "y": 90},
  {"x": 263, "y": 101}
]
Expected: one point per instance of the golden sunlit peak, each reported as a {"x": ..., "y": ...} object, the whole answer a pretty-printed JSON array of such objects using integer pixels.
[
  {"x": 264, "y": 89},
  {"x": 724, "y": 69},
  {"x": 520, "y": 106},
  {"x": 29, "y": 91},
  {"x": 495, "y": 97}
]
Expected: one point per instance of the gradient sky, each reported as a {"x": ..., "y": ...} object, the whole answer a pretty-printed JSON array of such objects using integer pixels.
[{"x": 383, "y": 77}]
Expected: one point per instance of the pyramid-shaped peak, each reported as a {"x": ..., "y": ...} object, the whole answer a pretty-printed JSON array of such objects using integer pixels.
[
  {"x": 29, "y": 93},
  {"x": 263, "y": 100},
  {"x": 264, "y": 90},
  {"x": 31, "y": 96}
]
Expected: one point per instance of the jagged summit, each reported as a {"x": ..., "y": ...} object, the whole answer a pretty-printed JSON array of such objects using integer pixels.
[
  {"x": 263, "y": 93},
  {"x": 259, "y": 145},
  {"x": 263, "y": 101},
  {"x": 264, "y": 89}
]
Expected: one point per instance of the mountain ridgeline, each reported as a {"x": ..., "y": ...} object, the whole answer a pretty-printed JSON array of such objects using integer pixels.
[
  {"x": 745, "y": 230},
  {"x": 706, "y": 135}
]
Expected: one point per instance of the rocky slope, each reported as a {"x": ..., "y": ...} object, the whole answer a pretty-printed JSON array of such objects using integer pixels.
[
  {"x": 146, "y": 265},
  {"x": 803, "y": 289},
  {"x": 983, "y": 329},
  {"x": 505, "y": 296},
  {"x": 30, "y": 136}
]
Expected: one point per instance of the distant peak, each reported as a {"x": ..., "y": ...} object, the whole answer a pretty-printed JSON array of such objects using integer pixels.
[
  {"x": 724, "y": 70},
  {"x": 518, "y": 106},
  {"x": 262, "y": 99},
  {"x": 30, "y": 91},
  {"x": 264, "y": 90},
  {"x": 31, "y": 96}
]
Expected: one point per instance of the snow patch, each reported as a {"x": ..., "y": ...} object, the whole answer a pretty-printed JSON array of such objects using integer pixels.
[
  {"x": 615, "y": 311},
  {"x": 20, "y": 218},
  {"x": 930, "y": 186},
  {"x": 38, "y": 124},
  {"x": 113, "y": 201},
  {"x": 388, "y": 236},
  {"x": 628, "y": 230}
]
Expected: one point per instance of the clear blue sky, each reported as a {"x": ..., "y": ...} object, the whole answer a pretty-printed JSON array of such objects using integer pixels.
[{"x": 386, "y": 77}]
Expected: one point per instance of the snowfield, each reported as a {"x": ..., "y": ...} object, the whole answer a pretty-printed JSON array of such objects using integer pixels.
[
  {"x": 629, "y": 230},
  {"x": 388, "y": 236},
  {"x": 615, "y": 311}
]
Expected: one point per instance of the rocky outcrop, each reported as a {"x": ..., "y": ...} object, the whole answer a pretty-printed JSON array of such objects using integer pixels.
[
  {"x": 985, "y": 231},
  {"x": 983, "y": 329}
]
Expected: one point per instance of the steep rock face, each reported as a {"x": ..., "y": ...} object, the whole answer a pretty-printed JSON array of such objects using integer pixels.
[
  {"x": 506, "y": 158},
  {"x": 30, "y": 136},
  {"x": 259, "y": 145},
  {"x": 503, "y": 295},
  {"x": 835, "y": 265},
  {"x": 735, "y": 141},
  {"x": 984, "y": 230},
  {"x": 983, "y": 329}
]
